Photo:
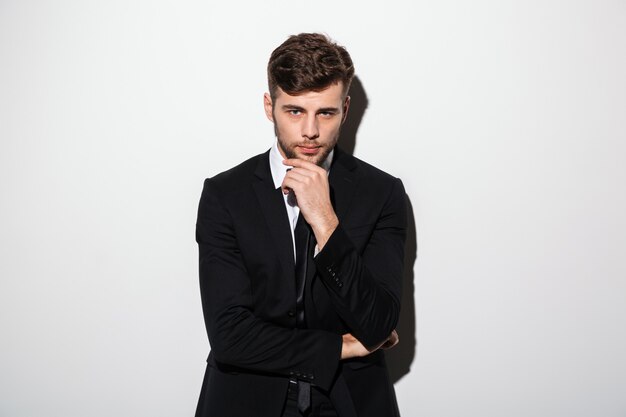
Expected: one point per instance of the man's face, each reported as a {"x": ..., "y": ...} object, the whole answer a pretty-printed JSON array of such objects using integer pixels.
[{"x": 307, "y": 125}]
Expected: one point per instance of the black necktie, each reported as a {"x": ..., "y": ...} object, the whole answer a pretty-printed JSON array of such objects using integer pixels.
[{"x": 302, "y": 238}]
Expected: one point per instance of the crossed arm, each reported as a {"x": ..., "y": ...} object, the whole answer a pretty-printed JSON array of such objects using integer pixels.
[
  {"x": 239, "y": 338},
  {"x": 365, "y": 287}
]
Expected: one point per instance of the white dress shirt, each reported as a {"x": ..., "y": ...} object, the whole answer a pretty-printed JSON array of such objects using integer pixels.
[{"x": 279, "y": 170}]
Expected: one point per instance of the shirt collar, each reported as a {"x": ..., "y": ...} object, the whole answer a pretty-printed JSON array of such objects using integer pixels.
[{"x": 279, "y": 170}]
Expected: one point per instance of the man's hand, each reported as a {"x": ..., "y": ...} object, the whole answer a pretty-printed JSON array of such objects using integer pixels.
[
  {"x": 393, "y": 340},
  {"x": 309, "y": 183},
  {"x": 352, "y": 348}
]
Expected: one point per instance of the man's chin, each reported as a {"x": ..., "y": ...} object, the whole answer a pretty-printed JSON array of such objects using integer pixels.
[{"x": 316, "y": 158}]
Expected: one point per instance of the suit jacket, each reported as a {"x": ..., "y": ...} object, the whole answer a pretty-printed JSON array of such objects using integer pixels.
[{"x": 248, "y": 291}]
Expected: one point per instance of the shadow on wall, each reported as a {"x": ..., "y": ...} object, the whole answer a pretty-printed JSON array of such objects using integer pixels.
[
  {"x": 358, "y": 105},
  {"x": 400, "y": 358}
]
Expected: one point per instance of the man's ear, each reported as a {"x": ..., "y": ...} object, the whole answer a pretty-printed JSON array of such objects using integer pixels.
[
  {"x": 346, "y": 106},
  {"x": 267, "y": 105}
]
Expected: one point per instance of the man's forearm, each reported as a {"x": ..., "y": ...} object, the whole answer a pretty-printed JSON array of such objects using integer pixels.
[
  {"x": 365, "y": 283},
  {"x": 351, "y": 347}
]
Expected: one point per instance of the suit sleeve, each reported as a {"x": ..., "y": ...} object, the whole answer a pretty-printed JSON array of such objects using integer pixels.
[
  {"x": 237, "y": 337},
  {"x": 366, "y": 287}
]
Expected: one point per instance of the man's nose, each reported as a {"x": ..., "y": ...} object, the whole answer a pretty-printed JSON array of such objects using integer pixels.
[{"x": 310, "y": 129}]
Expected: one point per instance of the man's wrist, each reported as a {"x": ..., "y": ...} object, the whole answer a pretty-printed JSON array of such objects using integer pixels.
[
  {"x": 324, "y": 232},
  {"x": 347, "y": 347}
]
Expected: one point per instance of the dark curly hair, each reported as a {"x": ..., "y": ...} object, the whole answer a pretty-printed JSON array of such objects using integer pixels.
[{"x": 308, "y": 62}]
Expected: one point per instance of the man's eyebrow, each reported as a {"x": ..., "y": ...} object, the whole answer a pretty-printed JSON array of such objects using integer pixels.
[
  {"x": 291, "y": 107},
  {"x": 321, "y": 110},
  {"x": 328, "y": 110}
]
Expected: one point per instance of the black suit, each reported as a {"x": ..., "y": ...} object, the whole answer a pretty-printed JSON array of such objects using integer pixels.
[{"x": 249, "y": 291}]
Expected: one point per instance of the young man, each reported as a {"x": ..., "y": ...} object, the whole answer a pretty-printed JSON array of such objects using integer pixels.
[{"x": 301, "y": 258}]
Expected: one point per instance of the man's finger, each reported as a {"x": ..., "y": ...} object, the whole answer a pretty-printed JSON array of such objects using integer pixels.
[
  {"x": 300, "y": 163},
  {"x": 300, "y": 174},
  {"x": 293, "y": 181},
  {"x": 305, "y": 171},
  {"x": 393, "y": 340}
]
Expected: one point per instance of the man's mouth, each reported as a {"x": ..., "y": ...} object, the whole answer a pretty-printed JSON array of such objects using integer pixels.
[{"x": 309, "y": 150}]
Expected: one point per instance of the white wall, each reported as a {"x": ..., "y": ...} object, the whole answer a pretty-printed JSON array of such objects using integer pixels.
[{"x": 506, "y": 121}]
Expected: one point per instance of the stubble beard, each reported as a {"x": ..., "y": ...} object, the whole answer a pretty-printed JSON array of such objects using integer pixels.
[{"x": 291, "y": 153}]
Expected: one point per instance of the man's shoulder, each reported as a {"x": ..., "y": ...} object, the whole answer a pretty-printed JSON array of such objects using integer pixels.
[
  {"x": 365, "y": 170},
  {"x": 239, "y": 174}
]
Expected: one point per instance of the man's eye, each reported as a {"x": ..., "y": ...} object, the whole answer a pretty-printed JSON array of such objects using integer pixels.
[
  {"x": 295, "y": 112},
  {"x": 327, "y": 113}
]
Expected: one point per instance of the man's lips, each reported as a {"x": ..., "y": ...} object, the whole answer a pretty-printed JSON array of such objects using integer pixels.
[{"x": 309, "y": 150}]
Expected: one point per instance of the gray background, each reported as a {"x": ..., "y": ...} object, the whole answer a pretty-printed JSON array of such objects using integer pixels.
[{"x": 504, "y": 119}]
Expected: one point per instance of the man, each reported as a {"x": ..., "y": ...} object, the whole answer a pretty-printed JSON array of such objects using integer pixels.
[{"x": 301, "y": 258}]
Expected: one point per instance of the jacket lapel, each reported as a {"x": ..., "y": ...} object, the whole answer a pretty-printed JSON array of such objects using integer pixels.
[
  {"x": 343, "y": 182},
  {"x": 273, "y": 209}
]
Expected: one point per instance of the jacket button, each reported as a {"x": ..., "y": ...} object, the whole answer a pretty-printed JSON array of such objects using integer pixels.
[
  {"x": 291, "y": 313},
  {"x": 340, "y": 284}
]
